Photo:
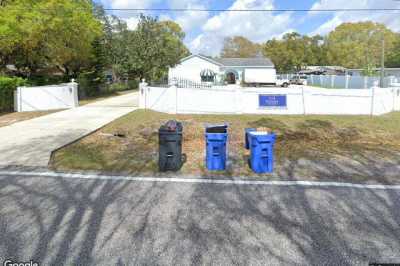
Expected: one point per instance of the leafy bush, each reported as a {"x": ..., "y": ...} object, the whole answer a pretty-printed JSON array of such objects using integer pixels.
[
  {"x": 122, "y": 86},
  {"x": 7, "y": 88},
  {"x": 117, "y": 87},
  {"x": 90, "y": 84},
  {"x": 42, "y": 80}
]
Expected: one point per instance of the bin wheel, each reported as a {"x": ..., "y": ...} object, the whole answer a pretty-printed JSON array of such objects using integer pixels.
[{"x": 183, "y": 158}]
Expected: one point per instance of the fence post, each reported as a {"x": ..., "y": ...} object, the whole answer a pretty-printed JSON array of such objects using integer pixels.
[
  {"x": 333, "y": 81},
  {"x": 19, "y": 99},
  {"x": 143, "y": 94},
  {"x": 239, "y": 100},
  {"x": 373, "y": 98},
  {"x": 176, "y": 98},
  {"x": 304, "y": 102},
  {"x": 347, "y": 81},
  {"x": 391, "y": 81},
  {"x": 74, "y": 86},
  {"x": 394, "y": 98},
  {"x": 365, "y": 82},
  {"x": 312, "y": 80}
]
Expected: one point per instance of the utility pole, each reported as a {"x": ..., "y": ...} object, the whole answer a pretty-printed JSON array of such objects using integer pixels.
[{"x": 382, "y": 62}]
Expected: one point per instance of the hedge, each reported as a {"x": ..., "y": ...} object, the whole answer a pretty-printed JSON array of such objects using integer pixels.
[{"x": 7, "y": 88}]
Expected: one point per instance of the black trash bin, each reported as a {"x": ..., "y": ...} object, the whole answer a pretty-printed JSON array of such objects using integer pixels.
[{"x": 170, "y": 146}]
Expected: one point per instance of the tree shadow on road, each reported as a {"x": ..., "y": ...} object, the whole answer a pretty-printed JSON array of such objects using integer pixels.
[
  {"x": 63, "y": 220},
  {"x": 103, "y": 222},
  {"x": 251, "y": 225}
]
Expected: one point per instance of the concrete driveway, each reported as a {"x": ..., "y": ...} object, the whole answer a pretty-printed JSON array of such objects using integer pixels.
[
  {"x": 30, "y": 143},
  {"x": 64, "y": 221}
]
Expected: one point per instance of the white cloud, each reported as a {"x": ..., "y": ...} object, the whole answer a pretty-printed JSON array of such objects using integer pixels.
[
  {"x": 258, "y": 27},
  {"x": 131, "y": 3},
  {"x": 186, "y": 3},
  {"x": 328, "y": 26},
  {"x": 132, "y": 22},
  {"x": 189, "y": 20},
  {"x": 390, "y": 19},
  {"x": 164, "y": 17},
  {"x": 280, "y": 35}
]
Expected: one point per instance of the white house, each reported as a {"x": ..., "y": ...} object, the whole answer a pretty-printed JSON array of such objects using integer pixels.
[{"x": 199, "y": 68}]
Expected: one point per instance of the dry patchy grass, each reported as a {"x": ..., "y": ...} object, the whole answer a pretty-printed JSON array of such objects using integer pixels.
[
  {"x": 298, "y": 137},
  {"x": 11, "y": 118}
]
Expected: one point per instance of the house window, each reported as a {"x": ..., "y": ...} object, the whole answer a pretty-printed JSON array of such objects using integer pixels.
[{"x": 207, "y": 75}]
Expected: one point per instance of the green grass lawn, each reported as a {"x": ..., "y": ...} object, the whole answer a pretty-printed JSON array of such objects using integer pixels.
[{"x": 316, "y": 139}]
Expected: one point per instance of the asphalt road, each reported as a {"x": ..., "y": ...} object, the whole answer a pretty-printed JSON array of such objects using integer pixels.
[{"x": 57, "y": 221}]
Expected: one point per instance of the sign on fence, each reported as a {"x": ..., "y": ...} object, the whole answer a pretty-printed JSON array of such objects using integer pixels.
[{"x": 272, "y": 100}]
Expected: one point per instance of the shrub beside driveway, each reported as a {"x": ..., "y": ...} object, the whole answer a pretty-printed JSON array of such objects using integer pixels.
[{"x": 346, "y": 148}]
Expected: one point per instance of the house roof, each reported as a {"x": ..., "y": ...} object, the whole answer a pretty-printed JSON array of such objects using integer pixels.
[
  {"x": 243, "y": 62},
  {"x": 209, "y": 59},
  {"x": 236, "y": 62}
]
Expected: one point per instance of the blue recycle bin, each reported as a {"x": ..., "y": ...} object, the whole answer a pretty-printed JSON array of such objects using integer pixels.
[
  {"x": 216, "y": 137},
  {"x": 247, "y": 137},
  {"x": 262, "y": 152}
]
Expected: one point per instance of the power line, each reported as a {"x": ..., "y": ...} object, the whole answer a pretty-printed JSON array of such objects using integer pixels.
[
  {"x": 256, "y": 10},
  {"x": 232, "y": 10}
]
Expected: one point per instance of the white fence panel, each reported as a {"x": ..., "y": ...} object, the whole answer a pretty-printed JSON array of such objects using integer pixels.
[
  {"x": 347, "y": 82},
  {"x": 339, "y": 82},
  {"x": 204, "y": 100},
  {"x": 41, "y": 98},
  {"x": 383, "y": 101},
  {"x": 337, "y": 101},
  {"x": 162, "y": 99},
  {"x": 357, "y": 82},
  {"x": 325, "y": 81},
  {"x": 299, "y": 100}
]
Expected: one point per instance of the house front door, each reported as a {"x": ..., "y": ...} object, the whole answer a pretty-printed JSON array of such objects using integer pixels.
[{"x": 230, "y": 78}]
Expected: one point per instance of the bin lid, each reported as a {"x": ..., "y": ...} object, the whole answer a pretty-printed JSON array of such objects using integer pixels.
[
  {"x": 216, "y": 128},
  {"x": 263, "y": 136},
  {"x": 259, "y": 133},
  {"x": 171, "y": 126}
]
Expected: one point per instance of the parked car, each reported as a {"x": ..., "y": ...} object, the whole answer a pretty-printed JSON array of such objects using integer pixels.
[
  {"x": 299, "y": 80},
  {"x": 281, "y": 82}
]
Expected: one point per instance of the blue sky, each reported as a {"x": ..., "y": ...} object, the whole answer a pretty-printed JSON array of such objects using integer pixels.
[{"x": 205, "y": 31}]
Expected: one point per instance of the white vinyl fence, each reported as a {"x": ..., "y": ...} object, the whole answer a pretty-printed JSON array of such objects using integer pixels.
[
  {"x": 42, "y": 98},
  {"x": 347, "y": 82},
  {"x": 299, "y": 100}
]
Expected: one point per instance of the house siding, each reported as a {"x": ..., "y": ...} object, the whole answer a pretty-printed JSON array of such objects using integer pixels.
[{"x": 190, "y": 69}]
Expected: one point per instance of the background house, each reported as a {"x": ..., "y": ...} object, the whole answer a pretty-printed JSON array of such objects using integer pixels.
[
  {"x": 199, "y": 68},
  {"x": 323, "y": 70}
]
